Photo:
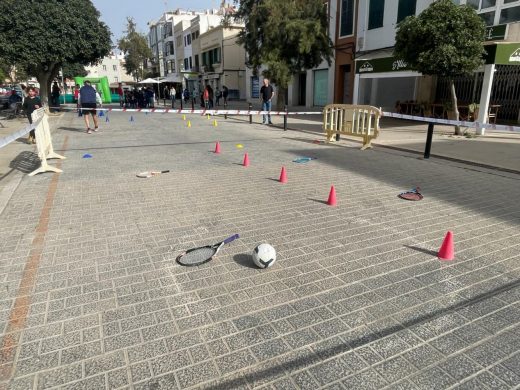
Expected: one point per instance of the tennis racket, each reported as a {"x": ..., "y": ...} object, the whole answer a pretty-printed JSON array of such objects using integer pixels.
[
  {"x": 203, "y": 254},
  {"x": 413, "y": 194},
  {"x": 148, "y": 174}
]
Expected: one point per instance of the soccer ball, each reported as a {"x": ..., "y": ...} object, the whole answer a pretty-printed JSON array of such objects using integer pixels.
[{"x": 264, "y": 255}]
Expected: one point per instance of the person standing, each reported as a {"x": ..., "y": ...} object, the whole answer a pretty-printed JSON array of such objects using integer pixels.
[
  {"x": 121, "y": 94},
  {"x": 88, "y": 103},
  {"x": 205, "y": 97},
  {"x": 55, "y": 94},
  {"x": 30, "y": 104},
  {"x": 218, "y": 95},
  {"x": 266, "y": 94},
  {"x": 173, "y": 92},
  {"x": 225, "y": 93}
]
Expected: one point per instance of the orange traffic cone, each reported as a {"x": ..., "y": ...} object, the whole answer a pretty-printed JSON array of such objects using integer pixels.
[
  {"x": 447, "y": 251},
  {"x": 332, "y": 197},
  {"x": 217, "y": 147},
  {"x": 246, "y": 160},
  {"x": 283, "y": 176}
]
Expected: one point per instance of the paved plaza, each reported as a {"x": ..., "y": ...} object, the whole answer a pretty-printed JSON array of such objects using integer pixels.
[{"x": 91, "y": 296}]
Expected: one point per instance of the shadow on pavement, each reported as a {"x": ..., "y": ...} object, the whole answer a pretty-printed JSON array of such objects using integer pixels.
[
  {"x": 423, "y": 250},
  {"x": 244, "y": 260},
  {"x": 445, "y": 185},
  {"x": 25, "y": 162},
  {"x": 356, "y": 342}
]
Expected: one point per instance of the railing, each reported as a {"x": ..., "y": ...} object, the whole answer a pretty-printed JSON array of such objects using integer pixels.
[{"x": 351, "y": 120}]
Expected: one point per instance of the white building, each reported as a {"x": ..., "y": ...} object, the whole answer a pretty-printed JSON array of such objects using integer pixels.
[{"x": 111, "y": 67}]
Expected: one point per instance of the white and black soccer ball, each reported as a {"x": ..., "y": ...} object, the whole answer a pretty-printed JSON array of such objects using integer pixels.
[{"x": 264, "y": 256}]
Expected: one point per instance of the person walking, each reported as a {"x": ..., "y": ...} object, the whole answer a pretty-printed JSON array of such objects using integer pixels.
[
  {"x": 266, "y": 94},
  {"x": 88, "y": 104},
  {"x": 30, "y": 104},
  {"x": 55, "y": 95}
]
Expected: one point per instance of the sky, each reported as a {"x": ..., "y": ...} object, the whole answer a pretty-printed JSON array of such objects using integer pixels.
[{"x": 115, "y": 12}]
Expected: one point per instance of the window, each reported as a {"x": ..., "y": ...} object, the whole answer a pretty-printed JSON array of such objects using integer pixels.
[
  {"x": 104, "y": 67},
  {"x": 114, "y": 67},
  {"x": 116, "y": 79},
  {"x": 473, "y": 3},
  {"x": 188, "y": 39},
  {"x": 488, "y": 17},
  {"x": 191, "y": 63},
  {"x": 197, "y": 60},
  {"x": 185, "y": 44},
  {"x": 178, "y": 41},
  {"x": 185, "y": 63},
  {"x": 488, "y": 3},
  {"x": 347, "y": 18},
  {"x": 405, "y": 8},
  {"x": 376, "y": 14},
  {"x": 508, "y": 15}
]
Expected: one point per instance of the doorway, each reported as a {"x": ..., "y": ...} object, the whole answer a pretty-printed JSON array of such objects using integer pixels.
[
  {"x": 302, "y": 91},
  {"x": 347, "y": 97}
]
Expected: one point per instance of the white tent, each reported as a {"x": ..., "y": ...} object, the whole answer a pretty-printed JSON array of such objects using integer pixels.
[{"x": 150, "y": 81}]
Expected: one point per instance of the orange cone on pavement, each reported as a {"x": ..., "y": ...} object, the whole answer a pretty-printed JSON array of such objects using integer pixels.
[
  {"x": 246, "y": 160},
  {"x": 283, "y": 176},
  {"x": 332, "y": 197},
  {"x": 217, "y": 147},
  {"x": 447, "y": 250}
]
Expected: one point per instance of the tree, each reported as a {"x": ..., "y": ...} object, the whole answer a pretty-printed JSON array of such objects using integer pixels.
[
  {"x": 288, "y": 37},
  {"x": 444, "y": 40},
  {"x": 136, "y": 50},
  {"x": 41, "y": 36},
  {"x": 71, "y": 70}
]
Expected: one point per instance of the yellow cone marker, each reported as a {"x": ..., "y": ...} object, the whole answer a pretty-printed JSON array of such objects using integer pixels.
[
  {"x": 208, "y": 117},
  {"x": 239, "y": 146},
  {"x": 183, "y": 117},
  {"x": 189, "y": 123},
  {"x": 215, "y": 123}
]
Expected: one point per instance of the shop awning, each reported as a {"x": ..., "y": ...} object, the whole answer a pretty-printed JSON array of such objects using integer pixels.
[{"x": 380, "y": 61}]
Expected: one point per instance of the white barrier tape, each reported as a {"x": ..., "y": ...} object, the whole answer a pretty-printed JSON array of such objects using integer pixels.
[
  {"x": 201, "y": 112},
  {"x": 14, "y": 136},
  {"x": 475, "y": 125}
]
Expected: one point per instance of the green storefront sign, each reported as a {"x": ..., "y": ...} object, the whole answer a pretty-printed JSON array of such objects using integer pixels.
[
  {"x": 378, "y": 65},
  {"x": 503, "y": 54},
  {"x": 496, "y": 33}
]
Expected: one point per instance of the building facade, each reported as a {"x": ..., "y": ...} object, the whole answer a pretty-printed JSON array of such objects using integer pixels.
[
  {"x": 113, "y": 68},
  {"x": 223, "y": 60},
  {"x": 383, "y": 81}
]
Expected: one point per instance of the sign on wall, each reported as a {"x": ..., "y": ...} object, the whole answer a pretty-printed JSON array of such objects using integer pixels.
[{"x": 255, "y": 87}]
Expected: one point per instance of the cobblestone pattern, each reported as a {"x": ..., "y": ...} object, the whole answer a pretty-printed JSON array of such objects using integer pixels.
[{"x": 356, "y": 300}]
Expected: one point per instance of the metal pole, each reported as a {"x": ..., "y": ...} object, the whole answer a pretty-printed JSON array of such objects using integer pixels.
[
  {"x": 250, "y": 115},
  {"x": 182, "y": 98},
  {"x": 429, "y": 138},
  {"x": 285, "y": 119},
  {"x": 193, "y": 103},
  {"x": 225, "y": 108}
]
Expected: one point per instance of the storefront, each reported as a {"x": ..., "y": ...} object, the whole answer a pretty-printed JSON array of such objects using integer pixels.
[{"x": 383, "y": 81}]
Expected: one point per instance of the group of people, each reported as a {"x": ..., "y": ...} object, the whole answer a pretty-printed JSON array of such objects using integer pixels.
[
  {"x": 208, "y": 96},
  {"x": 136, "y": 98}
]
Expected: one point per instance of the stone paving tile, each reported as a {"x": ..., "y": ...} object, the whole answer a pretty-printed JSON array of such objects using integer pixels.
[{"x": 340, "y": 309}]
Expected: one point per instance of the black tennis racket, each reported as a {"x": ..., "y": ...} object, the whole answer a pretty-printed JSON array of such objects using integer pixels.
[
  {"x": 149, "y": 174},
  {"x": 203, "y": 254}
]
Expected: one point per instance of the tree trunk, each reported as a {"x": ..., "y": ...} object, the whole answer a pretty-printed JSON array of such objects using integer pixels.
[
  {"x": 454, "y": 105},
  {"x": 280, "y": 98},
  {"x": 45, "y": 78}
]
